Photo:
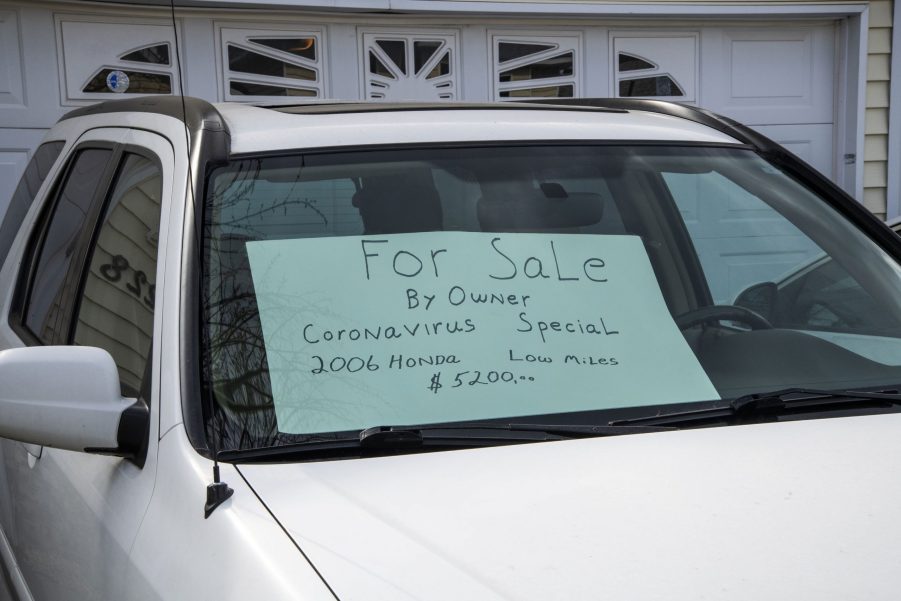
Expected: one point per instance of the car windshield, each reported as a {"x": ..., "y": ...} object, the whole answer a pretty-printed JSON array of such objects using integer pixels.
[{"x": 567, "y": 283}]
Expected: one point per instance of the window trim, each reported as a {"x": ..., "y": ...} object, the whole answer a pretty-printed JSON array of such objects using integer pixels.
[
  {"x": 118, "y": 163},
  {"x": 12, "y": 234},
  {"x": 239, "y": 35},
  {"x": 37, "y": 236},
  {"x": 560, "y": 41},
  {"x": 121, "y": 157}
]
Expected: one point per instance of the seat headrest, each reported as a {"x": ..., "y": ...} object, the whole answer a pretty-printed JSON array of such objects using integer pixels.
[{"x": 393, "y": 204}]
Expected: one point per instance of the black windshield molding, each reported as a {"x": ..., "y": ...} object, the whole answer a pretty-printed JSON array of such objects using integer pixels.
[
  {"x": 210, "y": 147},
  {"x": 309, "y": 151},
  {"x": 838, "y": 199}
]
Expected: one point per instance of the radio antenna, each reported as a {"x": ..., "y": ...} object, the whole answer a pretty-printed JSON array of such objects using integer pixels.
[{"x": 217, "y": 492}]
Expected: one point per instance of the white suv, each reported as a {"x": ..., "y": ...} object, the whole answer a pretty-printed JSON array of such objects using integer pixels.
[{"x": 291, "y": 353}]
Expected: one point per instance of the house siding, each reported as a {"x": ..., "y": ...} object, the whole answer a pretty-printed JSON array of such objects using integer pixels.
[{"x": 879, "y": 50}]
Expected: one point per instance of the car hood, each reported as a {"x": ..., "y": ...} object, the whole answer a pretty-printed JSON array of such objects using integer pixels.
[{"x": 798, "y": 510}]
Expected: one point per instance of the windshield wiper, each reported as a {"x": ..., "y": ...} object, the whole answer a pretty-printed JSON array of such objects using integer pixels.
[
  {"x": 406, "y": 435},
  {"x": 380, "y": 440},
  {"x": 770, "y": 406}
]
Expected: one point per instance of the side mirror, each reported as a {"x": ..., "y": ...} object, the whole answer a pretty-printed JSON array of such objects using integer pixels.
[
  {"x": 760, "y": 298},
  {"x": 68, "y": 397}
]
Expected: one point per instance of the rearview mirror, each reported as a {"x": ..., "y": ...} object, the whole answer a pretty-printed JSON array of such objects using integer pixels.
[
  {"x": 549, "y": 207},
  {"x": 68, "y": 397}
]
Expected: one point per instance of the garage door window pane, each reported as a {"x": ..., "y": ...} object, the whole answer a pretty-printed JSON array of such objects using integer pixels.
[
  {"x": 508, "y": 51},
  {"x": 440, "y": 69},
  {"x": 422, "y": 52},
  {"x": 396, "y": 50},
  {"x": 116, "y": 309},
  {"x": 547, "y": 92},
  {"x": 650, "y": 86},
  {"x": 136, "y": 82},
  {"x": 302, "y": 47},
  {"x": 240, "y": 88},
  {"x": 557, "y": 66},
  {"x": 628, "y": 62},
  {"x": 245, "y": 61},
  {"x": 155, "y": 55}
]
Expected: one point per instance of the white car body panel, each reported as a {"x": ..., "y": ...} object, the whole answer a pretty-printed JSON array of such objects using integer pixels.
[
  {"x": 779, "y": 511},
  {"x": 257, "y": 130},
  {"x": 797, "y": 510},
  {"x": 99, "y": 501},
  {"x": 239, "y": 553}
]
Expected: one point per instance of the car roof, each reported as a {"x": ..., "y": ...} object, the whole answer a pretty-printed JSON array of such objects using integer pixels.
[
  {"x": 257, "y": 129},
  {"x": 252, "y": 129}
]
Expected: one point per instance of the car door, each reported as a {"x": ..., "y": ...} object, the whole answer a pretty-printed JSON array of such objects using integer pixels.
[{"x": 89, "y": 277}]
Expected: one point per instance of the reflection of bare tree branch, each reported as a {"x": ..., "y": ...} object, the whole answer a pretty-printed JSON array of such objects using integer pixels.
[
  {"x": 239, "y": 222},
  {"x": 235, "y": 360}
]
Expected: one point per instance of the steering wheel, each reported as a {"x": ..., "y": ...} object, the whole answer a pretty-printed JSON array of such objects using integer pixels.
[{"x": 723, "y": 313}]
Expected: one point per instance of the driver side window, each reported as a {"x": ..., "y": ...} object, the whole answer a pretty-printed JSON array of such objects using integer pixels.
[{"x": 115, "y": 309}]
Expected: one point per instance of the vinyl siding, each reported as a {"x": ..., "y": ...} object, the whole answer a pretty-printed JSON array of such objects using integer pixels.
[{"x": 875, "y": 172}]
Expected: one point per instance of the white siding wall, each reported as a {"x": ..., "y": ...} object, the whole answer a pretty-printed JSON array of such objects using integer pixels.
[{"x": 878, "y": 74}]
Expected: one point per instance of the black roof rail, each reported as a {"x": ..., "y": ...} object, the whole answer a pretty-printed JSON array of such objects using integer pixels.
[
  {"x": 332, "y": 108},
  {"x": 724, "y": 125},
  {"x": 197, "y": 114}
]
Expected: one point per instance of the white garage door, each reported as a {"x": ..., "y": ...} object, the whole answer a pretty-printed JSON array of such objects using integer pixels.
[{"x": 780, "y": 82}]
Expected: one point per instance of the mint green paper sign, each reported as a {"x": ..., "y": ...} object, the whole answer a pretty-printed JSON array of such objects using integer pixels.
[{"x": 444, "y": 326}]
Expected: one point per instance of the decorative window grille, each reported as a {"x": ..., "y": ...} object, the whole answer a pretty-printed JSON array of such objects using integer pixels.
[
  {"x": 112, "y": 57},
  {"x": 655, "y": 67},
  {"x": 132, "y": 74},
  {"x": 272, "y": 64},
  {"x": 536, "y": 66},
  {"x": 400, "y": 66}
]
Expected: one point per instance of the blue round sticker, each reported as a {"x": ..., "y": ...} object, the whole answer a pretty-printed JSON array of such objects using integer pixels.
[{"x": 117, "y": 81}]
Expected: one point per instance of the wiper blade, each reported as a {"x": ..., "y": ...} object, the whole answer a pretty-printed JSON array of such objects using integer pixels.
[
  {"x": 771, "y": 406},
  {"x": 407, "y": 435},
  {"x": 387, "y": 439}
]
